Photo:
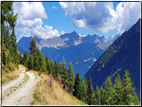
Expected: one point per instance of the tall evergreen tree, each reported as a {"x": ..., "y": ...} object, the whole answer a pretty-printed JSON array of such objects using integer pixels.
[
  {"x": 33, "y": 48},
  {"x": 25, "y": 56},
  {"x": 117, "y": 95},
  {"x": 70, "y": 79},
  {"x": 136, "y": 101},
  {"x": 102, "y": 96},
  {"x": 127, "y": 90},
  {"x": 91, "y": 95},
  {"x": 8, "y": 31},
  {"x": 30, "y": 62},
  {"x": 97, "y": 96},
  {"x": 42, "y": 64},
  {"x": 48, "y": 65},
  {"x": 84, "y": 89},
  {"x": 77, "y": 87},
  {"x": 65, "y": 79},
  {"x": 108, "y": 91}
]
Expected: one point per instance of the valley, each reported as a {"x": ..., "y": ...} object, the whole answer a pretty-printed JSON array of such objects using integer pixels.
[
  {"x": 91, "y": 46},
  {"x": 70, "y": 53}
]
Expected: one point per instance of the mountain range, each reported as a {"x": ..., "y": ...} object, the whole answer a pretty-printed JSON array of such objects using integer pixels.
[
  {"x": 123, "y": 54},
  {"x": 82, "y": 52}
]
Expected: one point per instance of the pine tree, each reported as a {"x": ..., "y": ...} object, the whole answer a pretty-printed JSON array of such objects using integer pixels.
[
  {"x": 36, "y": 63},
  {"x": 117, "y": 95},
  {"x": 108, "y": 91},
  {"x": 84, "y": 89},
  {"x": 70, "y": 79},
  {"x": 30, "y": 62},
  {"x": 4, "y": 57},
  {"x": 48, "y": 65},
  {"x": 97, "y": 96},
  {"x": 33, "y": 48},
  {"x": 102, "y": 96},
  {"x": 77, "y": 86},
  {"x": 42, "y": 64},
  {"x": 25, "y": 56},
  {"x": 90, "y": 95},
  {"x": 127, "y": 90},
  {"x": 136, "y": 101},
  {"x": 65, "y": 79}
]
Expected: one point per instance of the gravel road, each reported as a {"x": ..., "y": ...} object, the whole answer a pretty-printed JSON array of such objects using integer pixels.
[{"x": 19, "y": 92}]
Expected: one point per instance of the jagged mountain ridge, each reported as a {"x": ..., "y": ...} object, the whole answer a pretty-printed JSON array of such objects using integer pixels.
[
  {"x": 81, "y": 51},
  {"x": 65, "y": 40}
]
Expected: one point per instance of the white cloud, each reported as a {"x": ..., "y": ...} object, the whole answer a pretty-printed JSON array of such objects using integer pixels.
[
  {"x": 53, "y": 7},
  {"x": 43, "y": 32},
  {"x": 91, "y": 15},
  {"x": 128, "y": 14},
  {"x": 29, "y": 22},
  {"x": 101, "y": 16}
]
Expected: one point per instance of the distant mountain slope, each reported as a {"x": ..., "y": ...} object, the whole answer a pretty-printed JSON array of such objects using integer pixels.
[
  {"x": 81, "y": 51},
  {"x": 82, "y": 56},
  {"x": 123, "y": 54}
]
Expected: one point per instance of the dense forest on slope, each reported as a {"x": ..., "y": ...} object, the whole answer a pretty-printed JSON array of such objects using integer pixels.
[
  {"x": 9, "y": 53},
  {"x": 123, "y": 54}
]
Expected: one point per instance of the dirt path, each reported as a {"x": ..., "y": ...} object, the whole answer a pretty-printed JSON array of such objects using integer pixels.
[{"x": 19, "y": 92}]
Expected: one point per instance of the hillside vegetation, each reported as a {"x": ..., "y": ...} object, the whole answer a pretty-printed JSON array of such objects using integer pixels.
[{"x": 50, "y": 92}]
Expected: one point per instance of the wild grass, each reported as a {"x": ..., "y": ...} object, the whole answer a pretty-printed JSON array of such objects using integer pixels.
[
  {"x": 9, "y": 73},
  {"x": 55, "y": 95}
]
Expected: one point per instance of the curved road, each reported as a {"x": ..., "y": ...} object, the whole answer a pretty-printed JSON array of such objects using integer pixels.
[{"x": 18, "y": 92}]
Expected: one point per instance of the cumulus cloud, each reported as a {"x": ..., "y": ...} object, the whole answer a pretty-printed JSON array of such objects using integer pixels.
[
  {"x": 44, "y": 32},
  {"x": 128, "y": 14},
  {"x": 101, "y": 16},
  {"x": 29, "y": 22},
  {"x": 91, "y": 15}
]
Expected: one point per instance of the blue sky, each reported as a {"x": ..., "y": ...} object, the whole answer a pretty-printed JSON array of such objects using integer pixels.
[
  {"x": 48, "y": 19},
  {"x": 57, "y": 19}
]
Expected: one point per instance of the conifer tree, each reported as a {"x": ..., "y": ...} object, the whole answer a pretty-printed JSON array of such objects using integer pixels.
[
  {"x": 84, "y": 89},
  {"x": 127, "y": 90},
  {"x": 33, "y": 48},
  {"x": 36, "y": 63},
  {"x": 77, "y": 86},
  {"x": 97, "y": 96},
  {"x": 25, "y": 56},
  {"x": 70, "y": 79},
  {"x": 65, "y": 79},
  {"x": 91, "y": 95},
  {"x": 136, "y": 101},
  {"x": 48, "y": 65},
  {"x": 108, "y": 91},
  {"x": 30, "y": 62},
  {"x": 117, "y": 94},
  {"x": 102, "y": 96},
  {"x": 4, "y": 57},
  {"x": 42, "y": 64}
]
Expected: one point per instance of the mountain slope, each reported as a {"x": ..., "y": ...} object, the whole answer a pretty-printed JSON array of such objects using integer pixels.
[
  {"x": 81, "y": 51},
  {"x": 47, "y": 94},
  {"x": 123, "y": 54}
]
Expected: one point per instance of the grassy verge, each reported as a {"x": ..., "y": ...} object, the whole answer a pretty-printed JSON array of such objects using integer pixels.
[
  {"x": 55, "y": 95},
  {"x": 9, "y": 73}
]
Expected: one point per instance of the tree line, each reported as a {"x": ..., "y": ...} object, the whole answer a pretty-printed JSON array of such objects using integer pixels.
[
  {"x": 121, "y": 93},
  {"x": 9, "y": 51}
]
